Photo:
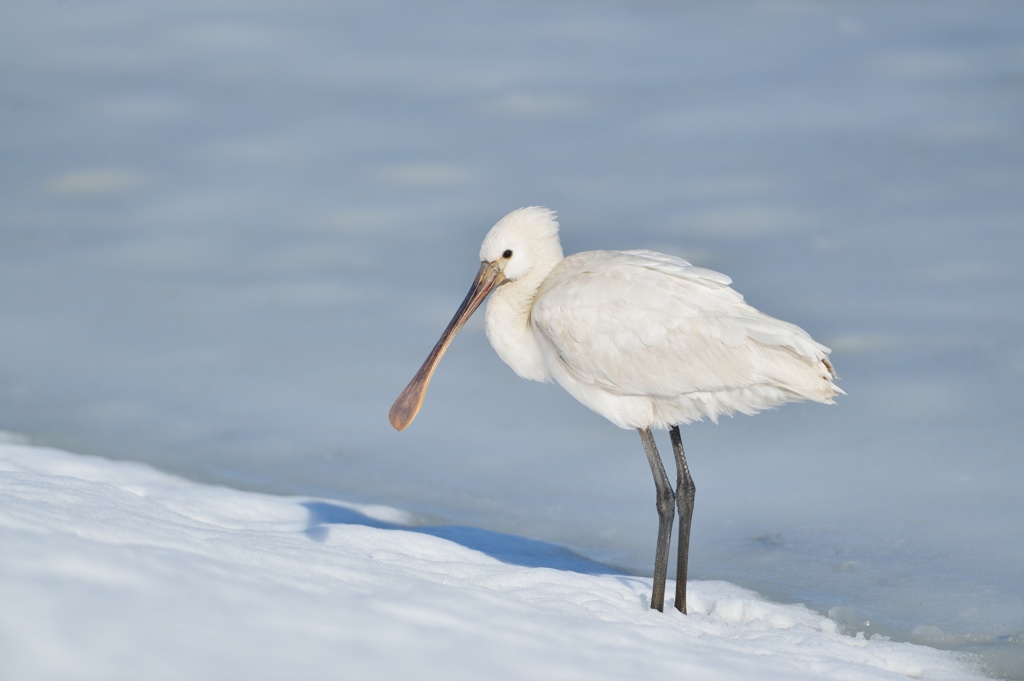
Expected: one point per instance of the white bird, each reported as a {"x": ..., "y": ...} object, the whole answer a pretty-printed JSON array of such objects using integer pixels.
[{"x": 644, "y": 339}]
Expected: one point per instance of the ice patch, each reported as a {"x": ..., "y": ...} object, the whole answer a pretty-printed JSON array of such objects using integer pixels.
[{"x": 95, "y": 182}]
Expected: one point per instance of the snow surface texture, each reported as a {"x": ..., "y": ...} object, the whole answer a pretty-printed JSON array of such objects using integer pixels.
[{"x": 112, "y": 570}]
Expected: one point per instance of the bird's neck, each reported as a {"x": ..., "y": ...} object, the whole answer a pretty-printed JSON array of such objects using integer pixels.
[{"x": 509, "y": 329}]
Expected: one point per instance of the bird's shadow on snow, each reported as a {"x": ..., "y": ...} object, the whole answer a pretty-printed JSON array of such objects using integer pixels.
[{"x": 508, "y": 548}]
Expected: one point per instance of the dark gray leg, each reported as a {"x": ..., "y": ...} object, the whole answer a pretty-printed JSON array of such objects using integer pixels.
[
  {"x": 666, "y": 502},
  {"x": 685, "y": 494}
]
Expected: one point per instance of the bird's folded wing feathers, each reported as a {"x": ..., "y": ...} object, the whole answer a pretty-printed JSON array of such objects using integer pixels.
[{"x": 645, "y": 323}]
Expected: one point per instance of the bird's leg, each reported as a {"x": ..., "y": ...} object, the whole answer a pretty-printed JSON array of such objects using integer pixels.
[
  {"x": 666, "y": 502},
  {"x": 685, "y": 492}
]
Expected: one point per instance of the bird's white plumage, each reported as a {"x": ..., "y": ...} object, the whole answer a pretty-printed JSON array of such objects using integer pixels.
[{"x": 642, "y": 338}]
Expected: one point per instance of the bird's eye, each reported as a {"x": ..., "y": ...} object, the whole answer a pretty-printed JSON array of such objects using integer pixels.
[{"x": 507, "y": 254}]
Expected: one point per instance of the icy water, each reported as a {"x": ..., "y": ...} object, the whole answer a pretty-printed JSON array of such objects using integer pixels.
[{"x": 230, "y": 232}]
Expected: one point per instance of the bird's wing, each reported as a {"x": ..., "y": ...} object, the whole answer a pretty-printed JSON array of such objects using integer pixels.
[{"x": 646, "y": 323}]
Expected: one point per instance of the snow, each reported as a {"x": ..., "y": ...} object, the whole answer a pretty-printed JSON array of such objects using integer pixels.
[{"x": 113, "y": 570}]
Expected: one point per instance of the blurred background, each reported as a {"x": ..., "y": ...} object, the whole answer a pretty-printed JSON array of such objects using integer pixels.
[{"x": 231, "y": 231}]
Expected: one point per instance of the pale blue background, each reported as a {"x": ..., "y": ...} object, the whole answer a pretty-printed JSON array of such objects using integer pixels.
[{"x": 230, "y": 231}]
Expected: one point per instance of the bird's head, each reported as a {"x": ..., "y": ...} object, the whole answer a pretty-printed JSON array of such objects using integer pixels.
[
  {"x": 523, "y": 243},
  {"x": 522, "y": 247}
]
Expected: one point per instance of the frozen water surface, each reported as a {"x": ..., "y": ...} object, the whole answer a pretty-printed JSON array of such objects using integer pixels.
[{"x": 229, "y": 233}]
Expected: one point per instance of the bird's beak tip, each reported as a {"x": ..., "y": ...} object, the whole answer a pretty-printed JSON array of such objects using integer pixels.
[
  {"x": 396, "y": 423},
  {"x": 401, "y": 415}
]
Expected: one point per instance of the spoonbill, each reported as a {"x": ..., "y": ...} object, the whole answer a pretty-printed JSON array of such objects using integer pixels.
[{"x": 645, "y": 339}]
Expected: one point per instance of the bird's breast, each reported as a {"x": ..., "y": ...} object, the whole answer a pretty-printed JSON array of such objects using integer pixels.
[{"x": 510, "y": 332}]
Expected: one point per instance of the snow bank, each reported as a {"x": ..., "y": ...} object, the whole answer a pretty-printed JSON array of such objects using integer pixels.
[{"x": 114, "y": 570}]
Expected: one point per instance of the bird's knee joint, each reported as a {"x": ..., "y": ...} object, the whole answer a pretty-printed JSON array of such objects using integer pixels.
[
  {"x": 666, "y": 502},
  {"x": 686, "y": 487}
]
